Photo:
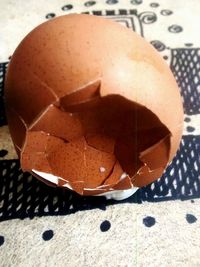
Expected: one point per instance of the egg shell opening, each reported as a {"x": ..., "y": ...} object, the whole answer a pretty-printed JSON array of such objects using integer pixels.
[{"x": 91, "y": 106}]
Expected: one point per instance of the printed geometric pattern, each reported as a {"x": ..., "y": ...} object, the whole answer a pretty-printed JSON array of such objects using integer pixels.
[{"x": 185, "y": 65}]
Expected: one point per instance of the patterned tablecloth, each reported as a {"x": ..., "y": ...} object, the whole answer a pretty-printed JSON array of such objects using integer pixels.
[{"x": 159, "y": 225}]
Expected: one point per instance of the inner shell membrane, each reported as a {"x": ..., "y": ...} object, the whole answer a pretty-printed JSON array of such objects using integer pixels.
[{"x": 117, "y": 125}]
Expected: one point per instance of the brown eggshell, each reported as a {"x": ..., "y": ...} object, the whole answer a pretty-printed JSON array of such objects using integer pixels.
[
  {"x": 25, "y": 83},
  {"x": 35, "y": 142},
  {"x": 145, "y": 176},
  {"x": 17, "y": 129},
  {"x": 81, "y": 95},
  {"x": 58, "y": 123},
  {"x": 161, "y": 150},
  {"x": 78, "y": 162},
  {"x": 93, "y": 104},
  {"x": 101, "y": 142}
]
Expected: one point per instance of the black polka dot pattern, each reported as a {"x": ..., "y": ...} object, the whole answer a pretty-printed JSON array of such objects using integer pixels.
[
  {"x": 90, "y": 3},
  {"x": 47, "y": 235},
  {"x": 158, "y": 45},
  {"x": 190, "y": 218},
  {"x": 2, "y": 240},
  {"x": 50, "y": 15},
  {"x": 105, "y": 226},
  {"x": 187, "y": 119},
  {"x": 149, "y": 221},
  {"x": 111, "y": 2},
  {"x": 154, "y": 5},
  {"x": 165, "y": 57},
  {"x": 175, "y": 28},
  {"x": 136, "y": 2},
  {"x": 67, "y": 7},
  {"x": 190, "y": 129},
  {"x": 3, "y": 153},
  {"x": 189, "y": 44},
  {"x": 166, "y": 12}
]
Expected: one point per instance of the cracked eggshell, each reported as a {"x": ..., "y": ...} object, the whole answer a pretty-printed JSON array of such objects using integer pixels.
[{"x": 85, "y": 94}]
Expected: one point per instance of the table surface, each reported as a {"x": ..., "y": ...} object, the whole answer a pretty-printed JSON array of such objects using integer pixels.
[{"x": 159, "y": 225}]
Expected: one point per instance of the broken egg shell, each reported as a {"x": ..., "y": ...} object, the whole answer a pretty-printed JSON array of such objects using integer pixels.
[
  {"x": 91, "y": 105},
  {"x": 146, "y": 176},
  {"x": 36, "y": 95},
  {"x": 161, "y": 150},
  {"x": 119, "y": 194},
  {"x": 58, "y": 123},
  {"x": 81, "y": 95},
  {"x": 17, "y": 129},
  {"x": 78, "y": 162},
  {"x": 101, "y": 142}
]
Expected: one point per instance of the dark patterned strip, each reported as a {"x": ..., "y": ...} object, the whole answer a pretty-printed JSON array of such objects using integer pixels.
[
  {"x": 22, "y": 196},
  {"x": 123, "y": 11},
  {"x": 110, "y": 12},
  {"x": 3, "y": 67},
  {"x": 185, "y": 64},
  {"x": 182, "y": 178},
  {"x": 119, "y": 12},
  {"x": 97, "y": 13}
]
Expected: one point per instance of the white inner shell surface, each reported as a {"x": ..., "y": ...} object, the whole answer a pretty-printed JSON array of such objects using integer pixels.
[{"x": 115, "y": 194}]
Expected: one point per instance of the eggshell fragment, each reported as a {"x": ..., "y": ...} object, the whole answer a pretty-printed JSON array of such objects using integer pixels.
[
  {"x": 101, "y": 142},
  {"x": 58, "y": 123},
  {"x": 35, "y": 142},
  {"x": 17, "y": 129},
  {"x": 91, "y": 106}
]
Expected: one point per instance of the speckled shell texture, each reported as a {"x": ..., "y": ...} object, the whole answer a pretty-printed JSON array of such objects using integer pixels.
[{"x": 93, "y": 104}]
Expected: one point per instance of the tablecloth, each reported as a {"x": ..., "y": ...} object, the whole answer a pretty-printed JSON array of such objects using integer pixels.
[{"x": 159, "y": 225}]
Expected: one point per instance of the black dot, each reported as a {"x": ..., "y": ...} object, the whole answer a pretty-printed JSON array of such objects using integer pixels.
[
  {"x": 158, "y": 45},
  {"x": 154, "y": 4},
  {"x": 191, "y": 218},
  {"x": 190, "y": 129},
  {"x": 149, "y": 221},
  {"x": 50, "y": 15},
  {"x": 2, "y": 240},
  {"x": 192, "y": 200},
  {"x": 165, "y": 57},
  {"x": 166, "y": 12},
  {"x": 47, "y": 235},
  {"x": 90, "y": 3},
  {"x": 136, "y": 2},
  {"x": 187, "y": 119},
  {"x": 67, "y": 7},
  {"x": 105, "y": 226},
  {"x": 3, "y": 152},
  {"x": 111, "y": 2},
  {"x": 175, "y": 28},
  {"x": 189, "y": 44}
]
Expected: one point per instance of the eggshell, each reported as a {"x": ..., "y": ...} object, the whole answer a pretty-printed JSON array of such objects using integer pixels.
[{"x": 92, "y": 106}]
